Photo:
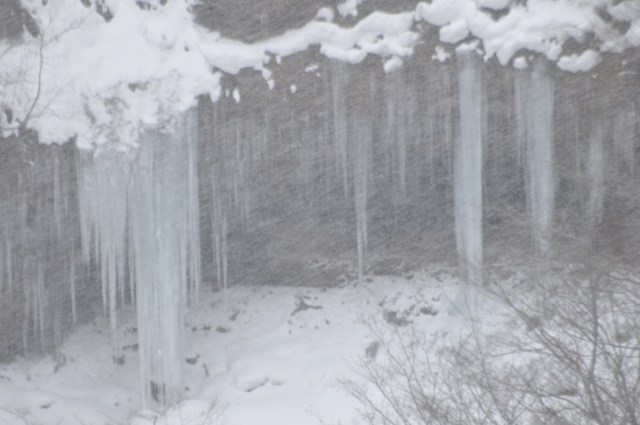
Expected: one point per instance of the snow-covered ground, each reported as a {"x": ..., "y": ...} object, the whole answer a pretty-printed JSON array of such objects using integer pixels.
[{"x": 255, "y": 355}]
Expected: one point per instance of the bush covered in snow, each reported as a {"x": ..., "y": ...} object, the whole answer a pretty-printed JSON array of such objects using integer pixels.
[{"x": 563, "y": 349}]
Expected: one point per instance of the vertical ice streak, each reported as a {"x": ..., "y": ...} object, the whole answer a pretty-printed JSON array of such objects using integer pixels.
[
  {"x": 190, "y": 133},
  {"x": 445, "y": 91},
  {"x": 338, "y": 82},
  {"x": 595, "y": 171},
  {"x": 468, "y": 169},
  {"x": 142, "y": 224},
  {"x": 397, "y": 125},
  {"x": 360, "y": 136},
  {"x": 539, "y": 150},
  {"x": 58, "y": 216},
  {"x": 219, "y": 224},
  {"x": 9, "y": 261},
  {"x": 402, "y": 145},
  {"x": 26, "y": 288},
  {"x": 3, "y": 235},
  {"x": 520, "y": 93},
  {"x": 624, "y": 121},
  {"x": 72, "y": 280},
  {"x": 39, "y": 310}
]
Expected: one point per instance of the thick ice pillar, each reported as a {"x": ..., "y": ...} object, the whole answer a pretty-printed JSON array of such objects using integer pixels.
[
  {"x": 153, "y": 200},
  {"x": 468, "y": 168},
  {"x": 539, "y": 151},
  {"x": 163, "y": 214}
]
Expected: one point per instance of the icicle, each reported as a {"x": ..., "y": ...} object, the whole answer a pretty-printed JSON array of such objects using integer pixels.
[
  {"x": 72, "y": 281},
  {"x": 27, "y": 291},
  {"x": 361, "y": 140},
  {"x": 39, "y": 310},
  {"x": 86, "y": 205},
  {"x": 224, "y": 252},
  {"x": 220, "y": 235},
  {"x": 539, "y": 131},
  {"x": 390, "y": 126},
  {"x": 57, "y": 214},
  {"x": 520, "y": 100},
  {"x": 142, "y": 225},
  {"x": 304, "y": 147},
  {"x": 241, "y": 180},
  {"x": 448, "y": 120},
  {"x": 595, "y": 171},
  {"x": 396, "y": 134},
  {"x": 401, "y": 132},
  {"x": 9, "y": 261},
  {"x": 624, "y": 135},
  {"x": 338, "y": 82},
  {"x": 190, "y": 133},
  {"x": 132, "y": 264},
  {"x": 102, "y": 189},
  {"x": 468, "y": 169},
  {"x": 112, "y": 289},
  {"x": 104, "y": 279},
  {"x": 237, "y": 180},
  {"x": 3, "y": 257}
]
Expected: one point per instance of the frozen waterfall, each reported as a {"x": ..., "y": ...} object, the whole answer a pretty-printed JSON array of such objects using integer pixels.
[
  {"x": 337, "y": 173},
  {"x": 145, "y": 210},
  {"x": 539, "y": 180},
  {"x": 468, "y": 168}
]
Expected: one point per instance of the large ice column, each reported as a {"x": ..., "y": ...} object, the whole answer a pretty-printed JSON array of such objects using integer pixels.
[
  {"x": 352, "y": 125},
  {"x": 468, "y": 168},
  {"x": 539, "y": 95},
  {"x": 153, "y": 200},
  {"x": 163, "y": 213}
]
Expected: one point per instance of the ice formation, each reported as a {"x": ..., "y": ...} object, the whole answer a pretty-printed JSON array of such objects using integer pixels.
[
  {"x": 468, "y": 168},
  {"x": 539, "y": 152},
  {"x": 121, "y": 88},
  {"x": 144, "y": 211}
]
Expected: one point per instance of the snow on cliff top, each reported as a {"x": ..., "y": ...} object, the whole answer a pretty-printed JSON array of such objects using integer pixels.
[{"x": 99, "y": 80}]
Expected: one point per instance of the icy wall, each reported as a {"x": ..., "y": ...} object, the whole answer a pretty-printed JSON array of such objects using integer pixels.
[{"x": 357, "y": 143}]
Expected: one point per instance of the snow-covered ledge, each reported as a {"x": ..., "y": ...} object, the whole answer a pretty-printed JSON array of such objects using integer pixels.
[{"x": 84, "y": 77}]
